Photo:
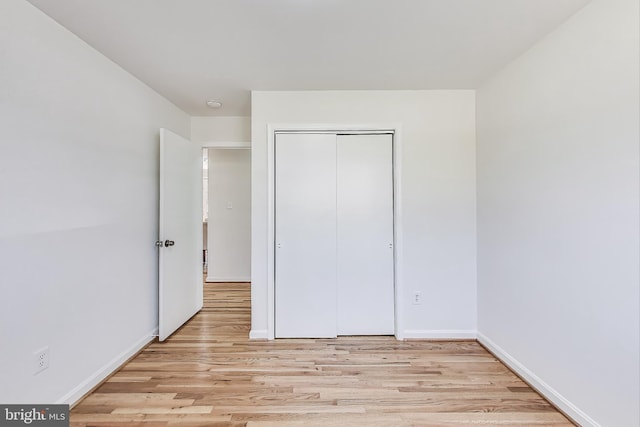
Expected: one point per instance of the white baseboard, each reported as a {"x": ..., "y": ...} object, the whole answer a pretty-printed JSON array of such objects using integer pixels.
[
  {"x": 427, "y": 334},
  {"x": 212, "y": 279},
  {"x": 87, "y": 385},
  {"x": 259, "y": 334},
  {"x": 540, "y": 386}
]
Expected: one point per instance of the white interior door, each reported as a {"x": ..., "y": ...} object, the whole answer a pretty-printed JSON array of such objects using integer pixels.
[
  {"x": 365, "y": 290},
  {"x": 180, "y": 256},
  {"x": 305, "y": 235}
]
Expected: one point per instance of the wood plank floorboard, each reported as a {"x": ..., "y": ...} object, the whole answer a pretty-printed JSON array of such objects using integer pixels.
[{"x": 210, "y": 374}]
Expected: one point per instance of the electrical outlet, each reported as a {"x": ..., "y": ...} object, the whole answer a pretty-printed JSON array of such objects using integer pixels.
[
  {"x": 417, "y": 298},
  {"x": 41, "y": 360}
]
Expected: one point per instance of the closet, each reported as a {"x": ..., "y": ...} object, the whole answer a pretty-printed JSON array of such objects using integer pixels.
[{"x": 334, "y": 269}]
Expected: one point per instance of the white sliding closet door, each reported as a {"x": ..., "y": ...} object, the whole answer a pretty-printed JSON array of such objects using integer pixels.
[
  {"x": 365, "y": 290},
  {"x": 305, "y": 235},
  {"x": 333, "y": 235}
]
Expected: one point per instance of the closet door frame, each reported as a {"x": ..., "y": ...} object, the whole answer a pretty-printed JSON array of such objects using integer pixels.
[{"x": 393, "y": 128}]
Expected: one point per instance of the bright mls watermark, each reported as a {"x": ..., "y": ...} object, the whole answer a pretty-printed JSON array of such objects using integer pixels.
[{"x": 34, "y": 415}]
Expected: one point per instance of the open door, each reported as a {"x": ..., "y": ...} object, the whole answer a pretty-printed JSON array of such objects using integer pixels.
[{"x": 180, "y": 291}]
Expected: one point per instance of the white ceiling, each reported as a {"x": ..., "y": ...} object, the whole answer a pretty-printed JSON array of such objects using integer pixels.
[{"x": 193, "y": 50}]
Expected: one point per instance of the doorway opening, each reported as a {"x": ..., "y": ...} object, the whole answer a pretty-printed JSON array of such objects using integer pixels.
[{"x": 226, "y": 218}]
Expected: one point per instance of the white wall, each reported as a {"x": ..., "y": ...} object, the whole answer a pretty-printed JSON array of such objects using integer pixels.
[
  {"x": 78, "y": 210},
  {"x": 438, "y": 195},
  {"x": 229, "y": 228},
  {"x": 221, "y": 129},
  {"x": 558, "y": 196}
]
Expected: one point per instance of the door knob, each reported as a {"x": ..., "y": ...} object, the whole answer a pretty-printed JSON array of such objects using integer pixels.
[
  {"x": 159, "y": 243},
  {"x": 168, "y": 243}
]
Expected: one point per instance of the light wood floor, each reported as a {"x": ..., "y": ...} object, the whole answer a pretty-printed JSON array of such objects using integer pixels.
[{"x": 210, "y": 374}]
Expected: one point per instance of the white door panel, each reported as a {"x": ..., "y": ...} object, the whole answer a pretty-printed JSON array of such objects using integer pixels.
[
  {"x": 365, "y": 292},
  {"x": 334, "y": 269},
  {"x": 305, "y": 236},
  {"x": 180, "y": 270}
]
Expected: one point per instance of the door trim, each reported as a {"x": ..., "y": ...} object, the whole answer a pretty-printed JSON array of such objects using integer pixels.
[
  {"x": 227, "y": 144},
  {"x": 396, "y": 130}
]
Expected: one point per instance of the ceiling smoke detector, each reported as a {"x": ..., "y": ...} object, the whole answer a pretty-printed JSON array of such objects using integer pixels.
[{"x": 214, "y": 104}]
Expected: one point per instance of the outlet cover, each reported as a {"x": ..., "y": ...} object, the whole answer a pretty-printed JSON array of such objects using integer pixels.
[
  {"x": 41, "y": 360},
  {"x": 417, "y": 298}
]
